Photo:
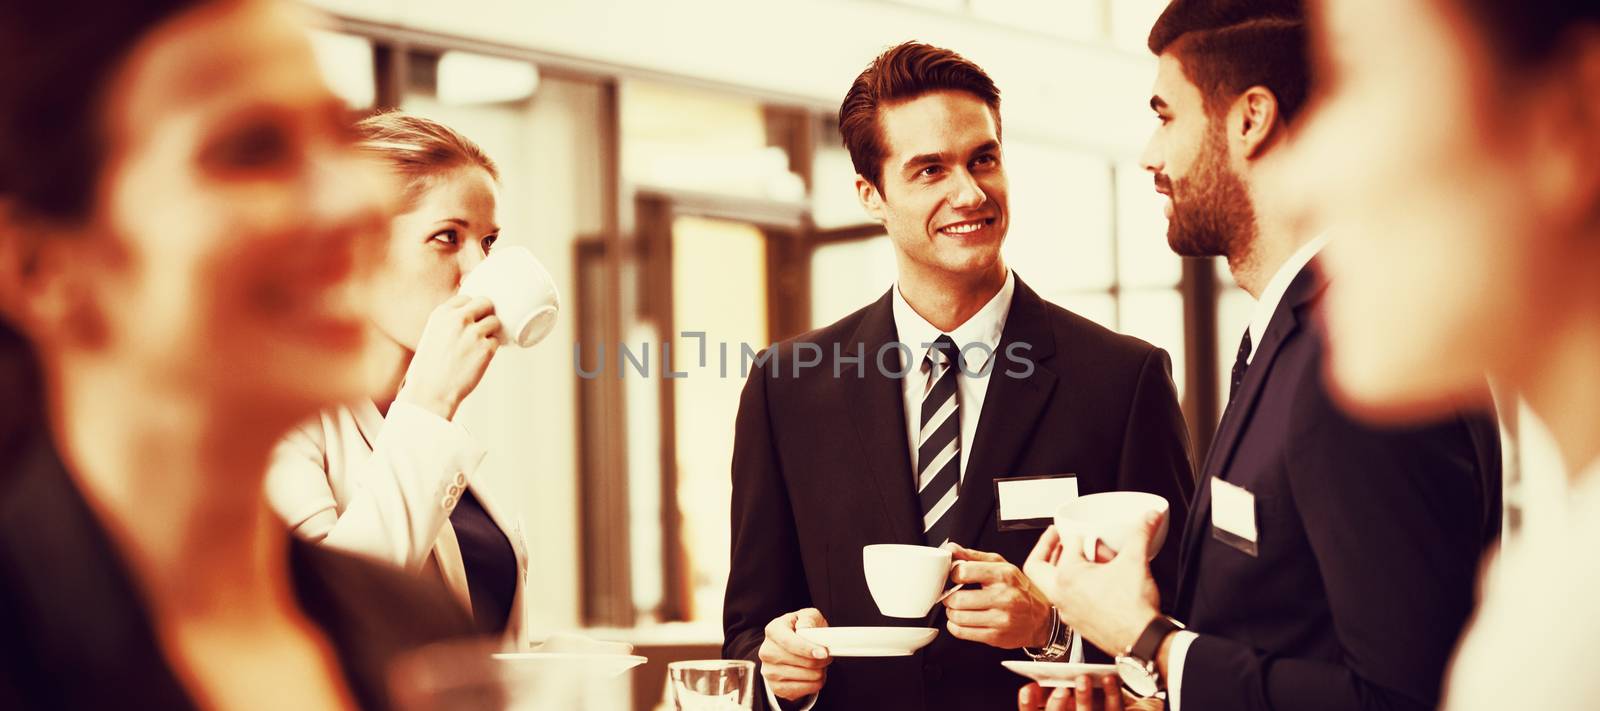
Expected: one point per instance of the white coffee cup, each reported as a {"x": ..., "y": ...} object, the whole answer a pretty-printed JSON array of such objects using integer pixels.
[
  {"x": 1113, "y": 518},
  {"x": 525, "y": 298},
  {"x": 905, "y": 580}
]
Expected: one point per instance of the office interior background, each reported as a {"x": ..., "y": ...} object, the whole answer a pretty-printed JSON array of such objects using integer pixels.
[{"x": 677, "y": 168}]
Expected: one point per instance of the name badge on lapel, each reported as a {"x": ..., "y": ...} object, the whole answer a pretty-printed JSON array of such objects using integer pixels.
[
  {"x": 1030, "y": 502},
  {"x": 1233, "y": 516}
]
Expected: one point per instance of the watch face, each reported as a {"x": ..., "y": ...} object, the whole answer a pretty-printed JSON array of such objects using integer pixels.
[{"x": 1133, "y": 674}]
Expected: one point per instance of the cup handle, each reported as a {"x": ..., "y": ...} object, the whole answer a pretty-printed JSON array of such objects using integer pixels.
[
  {"x": 1091, "y": 545},
  {"x": 947, "y": 593}
]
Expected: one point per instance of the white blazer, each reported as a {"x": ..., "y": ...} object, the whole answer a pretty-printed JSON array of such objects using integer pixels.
[{"x": 384, "y": 487}]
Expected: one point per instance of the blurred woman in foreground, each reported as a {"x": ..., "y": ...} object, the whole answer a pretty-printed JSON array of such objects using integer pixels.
[
  {"x": 1457, "y": 152},
  {"x": 184, "y": 236}
]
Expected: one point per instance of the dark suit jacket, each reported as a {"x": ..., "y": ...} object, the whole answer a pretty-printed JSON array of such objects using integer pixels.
[
  {"x": 73, "y": 629},
  {"x": 821, "y": 468},
  {"x": 1369, "y": 542}
]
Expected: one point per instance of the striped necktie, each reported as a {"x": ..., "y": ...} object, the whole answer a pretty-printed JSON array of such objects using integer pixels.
[{"x": 939, "y": 448}]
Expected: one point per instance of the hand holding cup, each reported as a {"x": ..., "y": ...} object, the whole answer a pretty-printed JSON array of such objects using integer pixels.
[{"x": 453, "y": 352}]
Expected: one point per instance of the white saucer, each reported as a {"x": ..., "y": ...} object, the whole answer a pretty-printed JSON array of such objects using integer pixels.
[
  {"x": 565, "y": 662},
  {"x": 1054, "y": 674},
  {"x": 869, "y": 641}
]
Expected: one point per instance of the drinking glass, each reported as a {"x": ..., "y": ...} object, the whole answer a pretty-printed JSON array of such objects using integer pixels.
[{"x": 712, "y": 685}]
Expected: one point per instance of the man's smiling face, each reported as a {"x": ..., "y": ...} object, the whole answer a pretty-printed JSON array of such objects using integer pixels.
[{"x": 943, "y": 194}]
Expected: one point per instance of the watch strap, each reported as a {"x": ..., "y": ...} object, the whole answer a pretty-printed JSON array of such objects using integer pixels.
[
  {"x": 1059, "y": 646},
  {"x": 1148, "y": 645}
]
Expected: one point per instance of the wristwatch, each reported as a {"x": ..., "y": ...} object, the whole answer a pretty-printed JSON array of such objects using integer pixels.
[
  {"x": 1058, "y": 648},
  {"x": 1137, "y": 664}
]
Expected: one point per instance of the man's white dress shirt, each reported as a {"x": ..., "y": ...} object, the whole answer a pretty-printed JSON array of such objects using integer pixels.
[{"x": 978, "y": 338}]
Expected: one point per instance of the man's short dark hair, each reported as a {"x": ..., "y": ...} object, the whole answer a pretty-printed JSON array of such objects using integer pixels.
[
  {"x": 1228, "y": 46},
  {"x": 905, "y": 72}
]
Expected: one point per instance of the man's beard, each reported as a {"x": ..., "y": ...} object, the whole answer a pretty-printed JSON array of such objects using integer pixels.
[{"x": 1211, "y": 211}]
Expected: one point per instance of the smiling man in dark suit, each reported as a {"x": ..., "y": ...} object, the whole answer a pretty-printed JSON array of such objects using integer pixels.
[
  {"x": 900, "y": 422},
  {"x": 1328, "y": 564}
]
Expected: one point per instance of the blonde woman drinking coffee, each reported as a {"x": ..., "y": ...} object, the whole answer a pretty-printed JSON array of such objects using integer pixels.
[{"x": 393, "y": 476}]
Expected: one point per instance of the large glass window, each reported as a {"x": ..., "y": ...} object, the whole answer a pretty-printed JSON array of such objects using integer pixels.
[
  {"x": 1150, "y": 304},
  {"x": 1144, "y": 259},
  {"x": 702, "y": 141},
  {"x": 1060, "y": 241},
  {"x": 1061, "y": 238},
  {"x": 695, "y": 154},
  {"x": 732, "y": 308}
]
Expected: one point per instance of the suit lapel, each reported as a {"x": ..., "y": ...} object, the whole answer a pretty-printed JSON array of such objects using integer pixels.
[
  {"x": 369, "y": 422},
  {"x": 877, "y": 407},
  {"x": 446, "y": 557},
  {"x": 1011, "y": 408},
  {"x": 1284, "y": 324}
]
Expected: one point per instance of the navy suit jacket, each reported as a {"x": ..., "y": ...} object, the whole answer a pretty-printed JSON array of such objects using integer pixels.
[{"x": 1369, "y": 542}]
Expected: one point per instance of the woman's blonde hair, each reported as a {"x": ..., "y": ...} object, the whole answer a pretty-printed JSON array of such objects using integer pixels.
[{"x": 419, "y": 148}]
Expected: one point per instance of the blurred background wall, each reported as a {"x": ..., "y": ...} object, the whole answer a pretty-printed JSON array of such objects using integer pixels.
[{"x": 676, "y": 166}]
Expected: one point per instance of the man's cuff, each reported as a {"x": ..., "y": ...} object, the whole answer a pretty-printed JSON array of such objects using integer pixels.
[
  {"x": 804, "y": 704},
  {"x": 1175, "y": 658}
]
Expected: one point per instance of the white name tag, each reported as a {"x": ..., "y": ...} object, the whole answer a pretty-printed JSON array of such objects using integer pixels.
[
  {"x": 1233, "y": 516},
  {"x": 1031, "y": 501}
]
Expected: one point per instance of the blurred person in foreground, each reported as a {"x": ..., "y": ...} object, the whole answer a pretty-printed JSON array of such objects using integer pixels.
[
  {"x": 1330, "y": 563},
  {"x": 1457, "y": 145},
  {"x": 391, "y": 476},
  {"x": 184, "y": 231},
  {"x": 916, "y": 408}
]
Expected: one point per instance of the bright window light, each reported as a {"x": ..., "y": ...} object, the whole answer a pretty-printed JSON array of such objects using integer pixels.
[
  {"x": 1075, "y": 19},
  {"x": 346, "y": 63},
  {"x": 1060, "y": 237},
  {"x": 1143, "y": 257},
  {"x": 466, "y": 78}
]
